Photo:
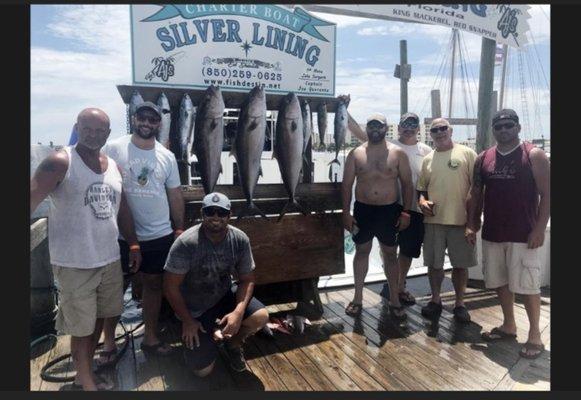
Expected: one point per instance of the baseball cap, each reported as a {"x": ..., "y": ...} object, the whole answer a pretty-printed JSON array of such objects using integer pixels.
[
  {"x": 148, "y": 105},
  {"x": 377, "y": 117},
  {"x": 216, "y": 200},
  {"x": 505, "y": 113},
  {"x": 409, "y": 121}
]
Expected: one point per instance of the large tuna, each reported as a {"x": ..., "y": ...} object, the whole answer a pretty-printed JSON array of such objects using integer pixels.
[
  {"x": 307, "y": 127},
  {"x": 288, "y": 146},
  {"x": 135, "y": 100},
  {"x": 248, "y": 145},
  {"x": 322, "y": 123},
  {"x": 185, "y": 128},
  {"x": 340, "y": 125},
  {"x": 165, "y": 125},
  {"x": 209, "y": 137}
]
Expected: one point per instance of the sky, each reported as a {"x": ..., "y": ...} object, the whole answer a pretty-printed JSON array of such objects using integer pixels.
[{"x": 79, "y": 53}]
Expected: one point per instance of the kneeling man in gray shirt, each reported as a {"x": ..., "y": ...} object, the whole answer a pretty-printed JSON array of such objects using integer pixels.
[{"x": 215, "y": 313}]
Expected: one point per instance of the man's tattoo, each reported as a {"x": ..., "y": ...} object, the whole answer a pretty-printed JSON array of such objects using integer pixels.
[
  {"x": 47, "y": 166},
  {"x": 477, "y": 176}
]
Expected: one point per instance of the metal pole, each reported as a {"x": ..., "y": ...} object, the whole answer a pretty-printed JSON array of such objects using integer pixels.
[
  {"x": 454, "y": 35},
  {"x": 504, "y": 62},
  {"x": 403, "y": 82},
  {"x": 484, "y": 138}
]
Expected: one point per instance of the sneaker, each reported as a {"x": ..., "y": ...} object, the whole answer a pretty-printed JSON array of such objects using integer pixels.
[
  {"x": 432, "y": 309},
  {"x": 235, "y": 357},
  {"x": 461, "y": 314}
]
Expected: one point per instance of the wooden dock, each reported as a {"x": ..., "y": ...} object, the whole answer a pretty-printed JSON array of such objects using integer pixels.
[{"x": 342, "y": 353}]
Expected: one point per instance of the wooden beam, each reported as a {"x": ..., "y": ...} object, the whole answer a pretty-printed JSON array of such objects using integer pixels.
[
  {"x": 266, "y": 191},
  {"x": 297, "y": 247}
]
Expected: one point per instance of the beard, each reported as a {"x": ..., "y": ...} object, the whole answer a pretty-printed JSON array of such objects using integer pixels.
[
  {"x": 376, "y": 137},
  {"x": 144, "y": 134}
]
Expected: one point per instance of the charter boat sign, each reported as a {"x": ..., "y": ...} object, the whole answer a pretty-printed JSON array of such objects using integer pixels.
[{"x": 234, "y": 46}]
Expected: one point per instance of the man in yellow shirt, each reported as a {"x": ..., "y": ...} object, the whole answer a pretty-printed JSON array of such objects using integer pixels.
[{"x": 443, "y": 187}]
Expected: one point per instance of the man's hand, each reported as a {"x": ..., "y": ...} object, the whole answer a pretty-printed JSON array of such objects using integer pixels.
[
  {"x": 403, "y": 221},
  {"x": 177, "y": 233},
  {"x": 233, "y": 322},
  {"x": 427, "y": 208},
  {"x": 348, "y": 222},
  {"x": 134, "y": 259},
  {"x": 470, "y": 235},
  {"x": 536, "y": 239},
  {"x": 190, "y": 333}
]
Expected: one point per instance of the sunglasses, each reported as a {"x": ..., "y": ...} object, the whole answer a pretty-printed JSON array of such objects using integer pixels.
[
  {"x": 437, "y": 129},
  {"x": 211, "y": 211},
  {"x": 151, "y": 119},
  {"x": 507, "y": 125}
]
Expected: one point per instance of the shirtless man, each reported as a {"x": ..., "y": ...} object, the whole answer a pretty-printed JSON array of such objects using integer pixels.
[{"x": 377, "y": 165}]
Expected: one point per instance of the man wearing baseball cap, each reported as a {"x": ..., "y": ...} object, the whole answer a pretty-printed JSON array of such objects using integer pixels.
[
  {"x": 215, "y": 313},
  {"x": 152, "y": 184},
  {"x": 377, "y": 165},
  {"x": 512, "y": 183},
  {"x": 410, "y": 240}
]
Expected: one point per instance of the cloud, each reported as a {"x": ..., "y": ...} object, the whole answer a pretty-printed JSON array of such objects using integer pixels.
[
  {"x": 342, "y": 21},
  {"x": 65, "y": 82}
]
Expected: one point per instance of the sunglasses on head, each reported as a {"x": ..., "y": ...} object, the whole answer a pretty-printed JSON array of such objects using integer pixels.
[
  {"x": 437, "y": 129},
  {"x": 211, "y": 211},
  {"x": 506, "y": 125},
  {"x": 150, "y": 118}
]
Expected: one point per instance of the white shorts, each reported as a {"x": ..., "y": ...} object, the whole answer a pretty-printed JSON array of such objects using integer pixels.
[{"x": 513, "y": 264}]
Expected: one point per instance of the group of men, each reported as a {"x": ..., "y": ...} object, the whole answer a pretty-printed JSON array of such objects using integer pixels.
[
  {"x": 118, "y": 210},
  {"x": 438, "y": 204}
]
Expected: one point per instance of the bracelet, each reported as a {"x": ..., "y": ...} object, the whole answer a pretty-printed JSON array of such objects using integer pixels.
[{"x": 134, "y": 247}]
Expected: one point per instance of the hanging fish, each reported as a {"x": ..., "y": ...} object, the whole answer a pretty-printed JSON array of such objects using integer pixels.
[
  {"x": 288, "y": 147},
  {"x": 185, "y": 128},
  {"x": 209, "y": 137},
  {"x": 322, "y": 123},
  {"x": 165, "y": 125},
  {"x": 248, "y": 145}
]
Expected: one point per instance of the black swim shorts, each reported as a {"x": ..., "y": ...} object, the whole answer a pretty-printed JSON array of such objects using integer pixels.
[
  {"x": 410, "y": 239},
  {"x": 153, "y": 254},
  {"x": 201, "y": 357},
  {"x": 378, "y": 221}
]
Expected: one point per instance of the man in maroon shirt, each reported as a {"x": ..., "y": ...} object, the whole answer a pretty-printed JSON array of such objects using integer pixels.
[{"x": 511, "y": 181}]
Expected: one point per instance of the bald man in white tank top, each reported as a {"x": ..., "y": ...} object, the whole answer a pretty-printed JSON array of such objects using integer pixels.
[{"x": 88, "y": 211}]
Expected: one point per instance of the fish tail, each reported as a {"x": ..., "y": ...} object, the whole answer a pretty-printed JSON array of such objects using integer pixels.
[
  {"x": 251, "y": 209},
  {"x": 299, "y": 207},
  {"x": 335, "y": 161}
]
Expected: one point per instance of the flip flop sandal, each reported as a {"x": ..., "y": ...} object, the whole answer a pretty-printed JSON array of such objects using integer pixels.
[
  {"x": 539, "y": 348},
  {"x": 353, "y": 309},
  {"x": 407, "y": 299},
  {"x": 398, "y": 313},
  {"x": 102, "y": 384},
  {"x": 156, "y": 349},
  {"x": 110, "y": 357},
  {"x": 496, "y": 334}
]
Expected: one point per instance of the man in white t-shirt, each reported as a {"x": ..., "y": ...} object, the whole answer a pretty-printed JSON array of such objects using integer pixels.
[
  {"x": 152, "y": 183},
  {"x": 410, "y": 239}
]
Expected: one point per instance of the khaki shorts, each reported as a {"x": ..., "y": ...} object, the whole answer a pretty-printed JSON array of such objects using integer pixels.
[
  {"x": 87, "y": 294},
  {"x": 438, "y": 238},
  {"x": 511, "y": 264}
]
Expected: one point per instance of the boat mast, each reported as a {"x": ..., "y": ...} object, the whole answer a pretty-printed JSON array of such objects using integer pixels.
[
  {"x": 454, "y": 36},
  {"x": 502, "y": 81}
]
